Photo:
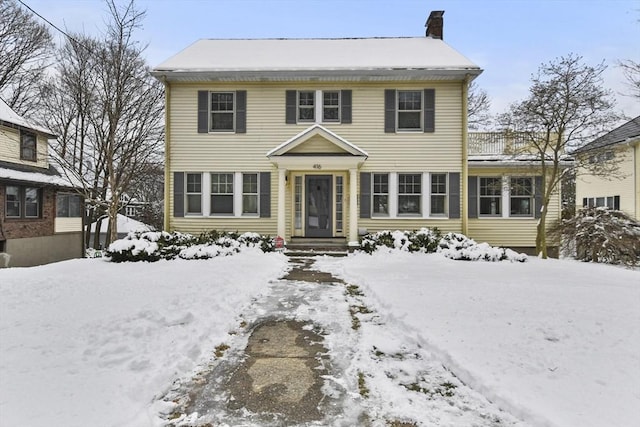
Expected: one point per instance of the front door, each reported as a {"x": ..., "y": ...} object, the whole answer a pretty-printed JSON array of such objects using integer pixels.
[{"x": 319, "y": 206}]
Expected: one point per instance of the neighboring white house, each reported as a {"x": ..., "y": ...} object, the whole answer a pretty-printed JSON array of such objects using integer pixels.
[{"x": 621, "y": 191}]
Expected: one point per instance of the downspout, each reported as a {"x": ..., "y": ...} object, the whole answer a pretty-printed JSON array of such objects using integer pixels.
[
  {"x": 464, "y": 215},
  {"x": 167, "y": 151}
]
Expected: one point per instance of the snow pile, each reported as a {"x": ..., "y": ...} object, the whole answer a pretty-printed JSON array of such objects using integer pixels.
[
  {"x": 153, "y": 246},
  {"x": 452, "y": 245}
]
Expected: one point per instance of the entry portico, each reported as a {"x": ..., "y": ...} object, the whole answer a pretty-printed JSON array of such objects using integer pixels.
[{"x": 321, "y": 165}]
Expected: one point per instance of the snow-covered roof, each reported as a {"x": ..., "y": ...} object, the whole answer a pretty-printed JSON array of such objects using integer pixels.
[
  {"x": 25, "y": 173},
  {"x": 125, "y": 225},
  {"x": 377, "y": 56},
  {"x": 7, "y": 115}
]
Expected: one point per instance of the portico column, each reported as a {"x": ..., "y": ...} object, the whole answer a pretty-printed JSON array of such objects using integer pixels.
[
  {"x": 353, "y": 207},
  {"x": 282, "y": 174}
]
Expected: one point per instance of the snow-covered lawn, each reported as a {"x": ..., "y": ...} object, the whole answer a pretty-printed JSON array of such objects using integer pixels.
[
  {"x": 554, "y": 343},
  {"x": 90, "y": 343}
]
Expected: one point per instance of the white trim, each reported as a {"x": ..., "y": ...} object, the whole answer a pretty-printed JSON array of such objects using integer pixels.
[
  {"x": 426, "y": 195},
  {"x": 317, "y": 129},
  {"x": 237, "y": 195},
  {"x": 393, "y": 195}
]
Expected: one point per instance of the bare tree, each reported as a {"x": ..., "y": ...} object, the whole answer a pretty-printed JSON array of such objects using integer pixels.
[
  {"x": 108, "y": 113},
  {"x": 566, "y": 108},
  {"x": 26, "y": 47},
  {"x": 478, "y": 106},
  {"x": 631, "y": 71}
]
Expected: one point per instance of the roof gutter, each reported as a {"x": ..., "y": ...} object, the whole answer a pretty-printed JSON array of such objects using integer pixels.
[{"x": 316, "y": 75}]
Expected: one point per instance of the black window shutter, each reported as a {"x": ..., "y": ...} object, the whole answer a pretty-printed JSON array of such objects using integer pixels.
[
  {"x": 584, "y": 202},
  {"x": 389, "y": 110},
  {"x": 241, "y": 111},
  {"x": 291, "y": 99},
  {"x": 203, "y": 111},
  {"x": 616, "y": 203},
  {"x": 178, "y": 194},
  {"x": 454, "y": 194},
  {"x": 345, "y": 111},
  {"x": 265, "y": 194},
  {"x": 429, "y": 110},
  {"x": 365, "y": 195},
  {"x": 473, "y": 197},
  {"x": 538, "y": 197}
]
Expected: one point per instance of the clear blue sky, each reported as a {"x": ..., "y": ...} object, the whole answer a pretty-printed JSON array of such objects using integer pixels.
[{"x": 509, "y": 39}]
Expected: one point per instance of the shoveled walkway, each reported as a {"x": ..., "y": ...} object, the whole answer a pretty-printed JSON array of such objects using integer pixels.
[
  {"x": 277, "y": 378},
  {"x": 309, "y": 352}
]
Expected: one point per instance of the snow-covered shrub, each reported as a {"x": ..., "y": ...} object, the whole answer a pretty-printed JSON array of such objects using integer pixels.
[
  {"x": 460, "y": 247},
  {"x": 153, "y": 246},
  {"x": 423, "y": 240},
  {"x": 451, "y": 245},
  {"x": 601, "y": 235}
]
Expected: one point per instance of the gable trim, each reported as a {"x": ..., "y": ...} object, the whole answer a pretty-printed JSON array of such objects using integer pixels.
[{"x": 312, "y": 131}]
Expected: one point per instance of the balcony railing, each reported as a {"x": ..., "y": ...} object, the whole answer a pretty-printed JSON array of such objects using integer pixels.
[{"x": 499, "y": 143}]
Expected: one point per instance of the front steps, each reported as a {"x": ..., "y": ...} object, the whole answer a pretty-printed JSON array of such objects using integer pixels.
[{"x": 310, "y": 246}]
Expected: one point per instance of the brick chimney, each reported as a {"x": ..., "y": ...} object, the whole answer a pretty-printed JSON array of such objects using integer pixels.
[{"x": 434, "y": 24}]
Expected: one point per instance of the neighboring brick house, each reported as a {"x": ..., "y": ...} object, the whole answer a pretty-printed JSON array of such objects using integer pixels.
[
  {"x": 330, "y": 138},
  {"x": 621, "y": 191},
  {"x": 41, "y": 215}
]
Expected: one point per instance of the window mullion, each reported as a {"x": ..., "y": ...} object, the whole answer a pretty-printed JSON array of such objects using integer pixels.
[
  {"x": 238, "y": 190},
  {"x": 506, "y": 208}
]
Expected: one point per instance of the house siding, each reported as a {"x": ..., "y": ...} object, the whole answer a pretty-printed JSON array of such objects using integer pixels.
[
  {"x": 10, "y": 148},
  {"x": 626, "y": 185},
  {"x": 266, "y": 128},
  {"x": 513, "y": 232}
]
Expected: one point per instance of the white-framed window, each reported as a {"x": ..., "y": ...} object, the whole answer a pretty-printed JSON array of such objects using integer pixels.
[
  {"x": 490, "y": 196},
  {"x": 12, "y": 202},
  {"x": 23, "y": 202},
  {"x": 409, "y": 111},
  {"x": 28, "y": 146},
  {"x": 409, "y": 193},
  {"x": 521, "y": 196},
  {"x": 380, "y": 194},
  {"x": 68, "y": 205},
  {"x": 331, "y": 106},
  {"x": 339, "y": 205},
  {"x": 612, "y": 202},
  {"x": 306, "y": 106},
  {"x": 438, "y": 194},
  {"x": 193, "y": 195},
  {"x": 298, "y": 202},
  {"x": 222, "y": 111},
  {"x": 221, "y": 193},
  {"x": 250, "y": 193}
]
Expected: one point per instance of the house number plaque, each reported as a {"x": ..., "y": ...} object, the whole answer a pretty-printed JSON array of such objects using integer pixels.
[{"x": 317, "y": 166}]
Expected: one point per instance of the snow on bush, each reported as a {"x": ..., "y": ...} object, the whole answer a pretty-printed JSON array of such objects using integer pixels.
[
  {"x": 452, "y": 245},
  {"x": 153, "y": 246},
  {"x": 601, "y": 235}
]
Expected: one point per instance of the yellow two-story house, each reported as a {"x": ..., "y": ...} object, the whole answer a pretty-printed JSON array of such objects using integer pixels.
[
  {"x": 619, "y": 190},
  {"x": 327, "y": 138}
]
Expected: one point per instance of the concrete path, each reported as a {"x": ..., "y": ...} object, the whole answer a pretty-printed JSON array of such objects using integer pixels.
[{"x": 279, "y": 378}]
